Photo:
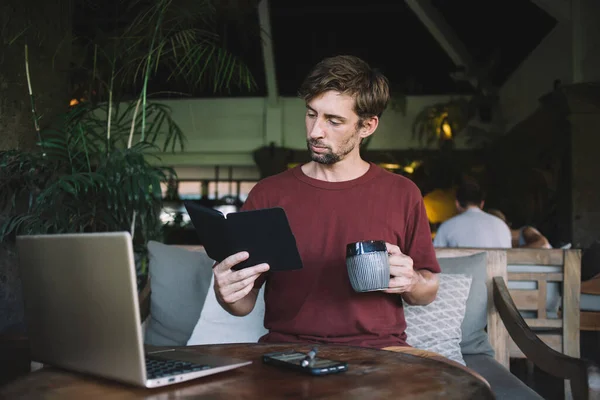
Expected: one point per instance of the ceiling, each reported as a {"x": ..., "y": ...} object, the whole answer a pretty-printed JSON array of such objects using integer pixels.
[
  {"x": 386, "y": 33},
  {"x": 390, "y": 36}
]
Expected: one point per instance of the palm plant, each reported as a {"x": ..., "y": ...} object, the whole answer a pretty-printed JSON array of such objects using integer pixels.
[
  {"x": 91, "y": 171},
  {"x": 81, "y": 181},
  {"x": 441, "y": 123},
  {"x": 438, "y": 122},
  {"x": 177, "y": 40}
]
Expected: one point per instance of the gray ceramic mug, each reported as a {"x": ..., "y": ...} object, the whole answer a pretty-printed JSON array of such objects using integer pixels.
[{"x": 368, "y": 265}]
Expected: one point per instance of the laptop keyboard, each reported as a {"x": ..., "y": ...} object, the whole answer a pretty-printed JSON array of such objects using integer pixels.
[{"x": 159, "y": 368}]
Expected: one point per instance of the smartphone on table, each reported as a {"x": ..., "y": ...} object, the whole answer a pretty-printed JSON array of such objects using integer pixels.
[{"x": 293, "y": 359}]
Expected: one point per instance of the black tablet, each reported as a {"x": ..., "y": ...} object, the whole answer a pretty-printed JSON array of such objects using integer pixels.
[{"x": 265, "y": 234}]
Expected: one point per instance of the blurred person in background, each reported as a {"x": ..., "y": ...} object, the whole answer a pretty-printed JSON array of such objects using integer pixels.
[
  {"x": 524, "y": 237},
  {"x": 472, "y": 227}
]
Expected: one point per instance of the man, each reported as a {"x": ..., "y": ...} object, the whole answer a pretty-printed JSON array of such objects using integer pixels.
[
  {"x": 472, "y": 227},
  {"x": 336, "y": 199},
  {"x": 526, "y": 236}
]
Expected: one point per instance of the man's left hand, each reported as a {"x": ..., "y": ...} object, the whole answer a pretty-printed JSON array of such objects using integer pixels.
[{"x": 403, "y": 277}]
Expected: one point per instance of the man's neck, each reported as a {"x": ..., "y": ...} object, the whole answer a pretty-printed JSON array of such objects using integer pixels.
[
  {"x": 344, "y": 170},
  {"x": 470, "y": 207}
]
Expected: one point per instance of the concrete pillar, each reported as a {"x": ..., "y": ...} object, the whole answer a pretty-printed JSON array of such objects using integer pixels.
[
  {"x": 586, "y": 40},
  {"x": 585, "y": 169},
  {"x": 584, "y": 104}
]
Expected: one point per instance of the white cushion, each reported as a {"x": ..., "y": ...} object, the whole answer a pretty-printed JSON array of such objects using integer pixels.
[{"x": 216, "y": 326}]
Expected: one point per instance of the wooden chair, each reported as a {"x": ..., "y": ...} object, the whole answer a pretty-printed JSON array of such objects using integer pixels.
[
  {"x": 581, "y": 375},
  {"x": 506, "y": 325},
  {"x": 541, "y": 268}
]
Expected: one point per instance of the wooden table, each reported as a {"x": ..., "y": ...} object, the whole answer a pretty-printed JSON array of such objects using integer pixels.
[{"x": 372, "y": 374}]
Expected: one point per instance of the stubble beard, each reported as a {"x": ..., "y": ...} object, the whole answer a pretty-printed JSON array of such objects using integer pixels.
[{"x": 330, "y": 158}]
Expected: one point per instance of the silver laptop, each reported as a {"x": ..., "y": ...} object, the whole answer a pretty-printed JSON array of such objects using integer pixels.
[{"x": 82, "y": 313}]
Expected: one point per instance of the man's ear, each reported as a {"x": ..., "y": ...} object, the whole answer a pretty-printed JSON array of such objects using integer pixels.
[
  {"x": 481, "y": 204},
  {"x": 368, "y": 127},
  {"x": 457, "y": 205}
]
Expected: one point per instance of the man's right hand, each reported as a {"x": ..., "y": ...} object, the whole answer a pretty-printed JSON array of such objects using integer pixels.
[{"x": 231, "y": 286}]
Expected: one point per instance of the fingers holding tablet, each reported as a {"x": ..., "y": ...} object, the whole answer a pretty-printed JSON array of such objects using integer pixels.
[{"x": 232, "y": 285}]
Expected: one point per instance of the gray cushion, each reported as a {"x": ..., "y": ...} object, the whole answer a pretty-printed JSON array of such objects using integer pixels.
[
  {"x": 474, "y": 337},
  {"x": 504, "y": 384},
  {"x": 179, "y": 280},
  {"x": 589, "y": 302},
  {"x": 437, "y": 326}
]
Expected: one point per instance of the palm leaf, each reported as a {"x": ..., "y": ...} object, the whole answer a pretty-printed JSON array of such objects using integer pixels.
[{"x": 182, "y": 41}]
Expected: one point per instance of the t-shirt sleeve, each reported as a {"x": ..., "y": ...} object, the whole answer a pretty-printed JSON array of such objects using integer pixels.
[{"x": 419, "y": 245}]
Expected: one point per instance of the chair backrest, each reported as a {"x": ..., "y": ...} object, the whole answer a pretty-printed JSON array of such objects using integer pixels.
[
  {"x": 495, "y": 266},
  {"x": 530, "y": 275},
  {"x": 536, "y": 278},
  {"x": 590, "y": 316}
]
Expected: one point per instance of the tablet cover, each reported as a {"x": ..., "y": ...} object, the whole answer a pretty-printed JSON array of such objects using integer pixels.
[{"x": 265, "y": 234}]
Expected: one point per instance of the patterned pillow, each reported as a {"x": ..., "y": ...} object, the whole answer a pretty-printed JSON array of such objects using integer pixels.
[{"x": 437, "y": 326}]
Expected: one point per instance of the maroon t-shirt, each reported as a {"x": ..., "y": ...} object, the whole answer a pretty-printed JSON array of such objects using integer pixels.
[{"x": 317, "y": 303}]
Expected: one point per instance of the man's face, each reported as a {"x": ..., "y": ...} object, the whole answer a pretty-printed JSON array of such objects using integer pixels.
[{"x": 332, "y": 129}]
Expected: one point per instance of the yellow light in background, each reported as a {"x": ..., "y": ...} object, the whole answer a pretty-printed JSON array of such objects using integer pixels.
[
  {"x": 440, "y": 205},
  {"x": 409, "y": 169},
  {"x": 447, "y": 130},
  {"x": 439, "y": 121},
  {"x": 73, "y": 102},
  {"x": 292, "y": 165},
  {"x": 390, "y": 166}
]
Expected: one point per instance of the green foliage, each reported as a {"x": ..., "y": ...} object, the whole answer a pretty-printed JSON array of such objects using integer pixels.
[
  {"x": 177, "y": 40},
  {"x": 181, "y": 34},
  {"x": 90, "y": 171},
  {"x": 78, "y": 180},
  {"x": 427, "y": 127}
]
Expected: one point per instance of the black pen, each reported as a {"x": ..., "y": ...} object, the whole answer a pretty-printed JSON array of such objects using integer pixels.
[{"x": 310, "y": 356}]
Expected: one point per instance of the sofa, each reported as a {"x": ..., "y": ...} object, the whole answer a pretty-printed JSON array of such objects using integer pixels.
[{"x": 179, "y": 308}]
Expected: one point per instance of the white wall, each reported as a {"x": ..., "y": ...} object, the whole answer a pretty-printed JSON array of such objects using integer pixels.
[
  {"x": 551, "y": 60},
  {"x": 226, "y": 131}
]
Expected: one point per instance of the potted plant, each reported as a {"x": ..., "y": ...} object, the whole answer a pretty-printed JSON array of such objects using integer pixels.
[{"x": 90, "y": 170}]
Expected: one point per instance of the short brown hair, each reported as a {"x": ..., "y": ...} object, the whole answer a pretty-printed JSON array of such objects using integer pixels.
[
  {"x": 469, "y": 193},
  {"x": 352, "y": 76}
]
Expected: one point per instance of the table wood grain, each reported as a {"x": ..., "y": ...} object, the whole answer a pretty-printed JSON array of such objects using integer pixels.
[{"x": 372, "y": 374}]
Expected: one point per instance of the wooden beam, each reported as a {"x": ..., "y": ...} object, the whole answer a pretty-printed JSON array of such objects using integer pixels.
[
  {"x": 571, "y": 308},
  {"x": 268, "y": 53},
  {"x": 536, "y": 257},
  {"x": 558, "y": 9},
  {"x": 442, "y": 32}
]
